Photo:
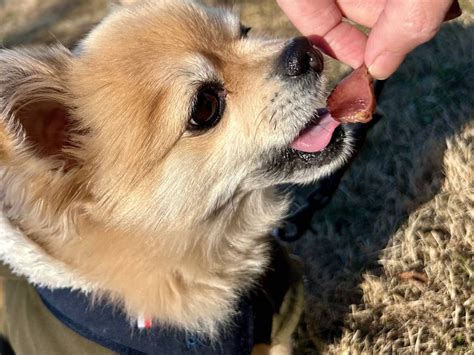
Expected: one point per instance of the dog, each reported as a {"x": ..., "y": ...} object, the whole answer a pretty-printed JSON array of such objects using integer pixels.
[{"x": 139, "y": 170}]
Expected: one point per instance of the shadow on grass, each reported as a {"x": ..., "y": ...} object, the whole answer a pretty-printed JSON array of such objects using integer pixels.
[{"x": 399, "y": 169}]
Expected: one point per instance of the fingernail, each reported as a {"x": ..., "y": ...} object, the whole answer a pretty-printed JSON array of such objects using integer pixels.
[
  {"x": 377, "y": 68},
  {"x": 385, "y": 64}
]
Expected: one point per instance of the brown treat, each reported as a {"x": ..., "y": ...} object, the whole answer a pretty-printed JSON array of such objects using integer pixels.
[
  {"x": 353, "y": 99},
  {"x": 453, "y": 12}
]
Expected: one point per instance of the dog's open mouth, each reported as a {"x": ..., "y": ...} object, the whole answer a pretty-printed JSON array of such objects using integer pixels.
[
  {"x": 352, "y": 100},
  {"x": 317, "y": 135}
]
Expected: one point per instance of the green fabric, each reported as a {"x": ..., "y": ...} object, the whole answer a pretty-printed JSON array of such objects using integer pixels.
[{"x": 5, "y": 273}]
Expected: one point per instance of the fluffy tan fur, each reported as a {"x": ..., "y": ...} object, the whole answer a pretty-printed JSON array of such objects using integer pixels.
[
  {"x": 99, "y": 169},
  {"x": 169, "y": 225}
]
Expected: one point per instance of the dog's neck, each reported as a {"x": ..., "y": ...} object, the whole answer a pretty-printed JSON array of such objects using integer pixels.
[{"x": 189, "y": 278}]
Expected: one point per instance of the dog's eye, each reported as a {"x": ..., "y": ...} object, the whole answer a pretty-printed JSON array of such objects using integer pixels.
[
  {"x": 208, "y": 107},
  {"x": 244, "y": 31}
]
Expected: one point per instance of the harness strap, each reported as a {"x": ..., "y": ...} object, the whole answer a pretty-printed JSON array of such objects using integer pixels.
[{"x": 110, "y": 328}]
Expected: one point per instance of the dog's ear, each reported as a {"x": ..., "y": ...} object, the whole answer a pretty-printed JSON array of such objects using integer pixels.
[{"x": 34, "y": 112}]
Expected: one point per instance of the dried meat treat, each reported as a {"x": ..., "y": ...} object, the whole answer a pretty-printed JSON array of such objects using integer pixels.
[{"x": 353, "y": 99}]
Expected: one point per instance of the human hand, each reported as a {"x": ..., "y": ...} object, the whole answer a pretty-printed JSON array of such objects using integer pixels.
[{"x": 398, "y": 26}]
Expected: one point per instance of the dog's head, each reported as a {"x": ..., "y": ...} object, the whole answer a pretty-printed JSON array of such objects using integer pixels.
[
  {"x": 166, "y": 112},
  {"x": 171, "y": 108}
]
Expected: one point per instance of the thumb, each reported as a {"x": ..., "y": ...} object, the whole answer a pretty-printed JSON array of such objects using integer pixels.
[{"x": 402, "y": 26}]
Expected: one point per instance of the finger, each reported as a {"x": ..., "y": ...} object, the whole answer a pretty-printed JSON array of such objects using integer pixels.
[
  {"x": 345, "y": 43},
  {"x": 366, "y": 12},
  {"x": 321, "y": 22},
  {"x": 402, "y": 26},
  {"x": 312, "y": 17},
  {"x": 363, "y": 12}
]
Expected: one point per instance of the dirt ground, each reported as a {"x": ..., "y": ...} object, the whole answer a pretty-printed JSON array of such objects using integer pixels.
[{"x": 389, "y": 262}]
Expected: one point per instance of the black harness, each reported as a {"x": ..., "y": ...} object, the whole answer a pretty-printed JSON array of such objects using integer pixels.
[{"x": 109, "y": 327}]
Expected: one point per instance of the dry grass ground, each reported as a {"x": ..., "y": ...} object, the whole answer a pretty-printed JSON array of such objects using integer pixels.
[{"x": 390, "y": 260}]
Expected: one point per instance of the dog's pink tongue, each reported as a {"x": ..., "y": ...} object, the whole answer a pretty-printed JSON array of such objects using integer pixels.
[{"x": 317, "y": 137}]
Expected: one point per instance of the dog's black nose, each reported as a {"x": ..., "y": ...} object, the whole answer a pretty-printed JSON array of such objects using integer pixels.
[{"x": 299, "y": 57}]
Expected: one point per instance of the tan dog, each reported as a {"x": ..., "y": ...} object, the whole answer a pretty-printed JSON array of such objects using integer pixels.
[{"x": 144, "y": 162}]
